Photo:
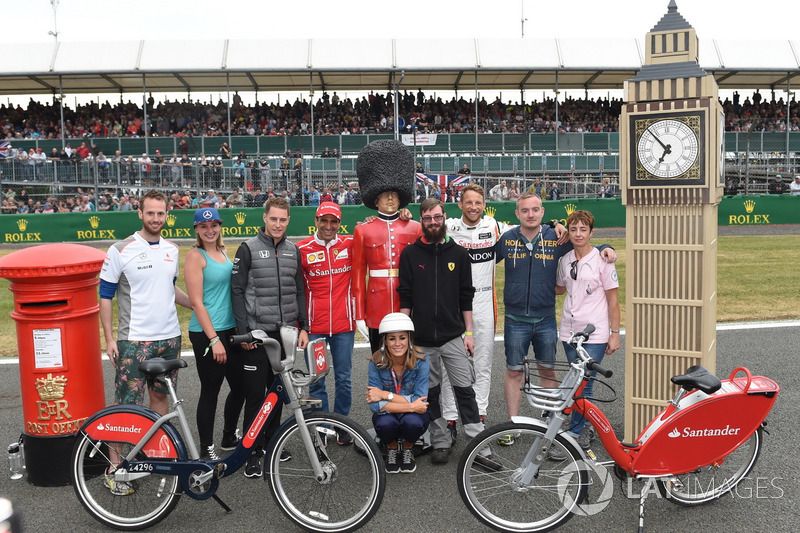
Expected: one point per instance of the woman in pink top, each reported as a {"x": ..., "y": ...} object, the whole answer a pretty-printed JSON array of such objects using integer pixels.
[{"x": 591, "y": 287}]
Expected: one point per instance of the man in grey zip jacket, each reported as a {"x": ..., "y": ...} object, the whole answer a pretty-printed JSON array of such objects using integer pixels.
[{"x": 267, "y": 291}]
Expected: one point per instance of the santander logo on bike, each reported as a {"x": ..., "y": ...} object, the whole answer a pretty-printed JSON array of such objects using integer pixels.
[
  {"x": 705, "y": 432},
  {"x": 120, "y": 429}
]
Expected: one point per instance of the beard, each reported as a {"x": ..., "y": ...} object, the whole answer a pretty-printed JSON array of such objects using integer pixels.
[{"x": 434, "y": 234}]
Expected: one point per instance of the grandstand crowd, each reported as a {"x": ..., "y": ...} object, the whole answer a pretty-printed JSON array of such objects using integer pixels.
[{"x": 373, "y": 113}]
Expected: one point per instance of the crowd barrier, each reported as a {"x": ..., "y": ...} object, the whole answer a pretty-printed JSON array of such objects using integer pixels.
[
  {"x": 245, "y": 222},
  {"x": 451, "y": 143}
]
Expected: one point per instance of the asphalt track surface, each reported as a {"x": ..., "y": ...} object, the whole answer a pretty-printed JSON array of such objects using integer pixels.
[{"x": 428, "y": 499}]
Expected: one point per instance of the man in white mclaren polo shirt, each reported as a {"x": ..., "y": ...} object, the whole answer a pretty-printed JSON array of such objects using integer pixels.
[{"x": 141, "y": 271}]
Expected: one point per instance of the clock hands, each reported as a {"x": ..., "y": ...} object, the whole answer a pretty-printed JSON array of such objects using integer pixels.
[{"x": 667, "y": 147}]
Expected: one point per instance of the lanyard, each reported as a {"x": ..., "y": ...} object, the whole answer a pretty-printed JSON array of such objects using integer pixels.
[{"x": 397, "y": 384}]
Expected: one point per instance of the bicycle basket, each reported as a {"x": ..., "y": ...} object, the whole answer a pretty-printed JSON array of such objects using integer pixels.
[{"x": 547, "y": 388}]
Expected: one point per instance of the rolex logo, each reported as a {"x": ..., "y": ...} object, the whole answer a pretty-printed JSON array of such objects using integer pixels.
[
  {"x": 490, "y": 211},
  {"x": 22, "y": 224},
  {"x": 240, "y": 217},
  {"x": 51, "y": 388},
  {"x": 94, "y": 222},
  {"x": 749, "y": 206},
  {"x": 171, "y": 219},
  {"x": 570, "y": 208}
]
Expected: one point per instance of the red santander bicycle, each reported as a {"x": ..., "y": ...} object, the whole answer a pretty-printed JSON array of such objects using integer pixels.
[{"x": 697, "y": 449}]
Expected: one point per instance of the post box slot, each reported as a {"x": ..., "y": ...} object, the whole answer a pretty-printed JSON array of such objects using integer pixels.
[
  {"x": 53, "y": 303},
  {"x": 42, "y": 307}
]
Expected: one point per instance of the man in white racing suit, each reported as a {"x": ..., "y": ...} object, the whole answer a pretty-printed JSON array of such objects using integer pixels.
[{"x": 478, "y": 235}]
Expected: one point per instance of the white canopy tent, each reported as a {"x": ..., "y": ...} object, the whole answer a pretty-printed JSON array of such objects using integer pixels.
[{"x": 370, "y": 64}]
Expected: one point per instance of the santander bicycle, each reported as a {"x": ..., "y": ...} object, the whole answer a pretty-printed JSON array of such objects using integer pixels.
[
  {"x": 696, "y": 450},
  {"x": 324, "y": 487}
]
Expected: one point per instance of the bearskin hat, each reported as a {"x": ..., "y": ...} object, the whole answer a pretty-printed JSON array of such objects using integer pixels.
[{"x": 385, "y": 165}]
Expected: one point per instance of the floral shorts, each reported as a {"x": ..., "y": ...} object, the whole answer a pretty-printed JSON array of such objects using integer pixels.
[{"x": 129, "y": 381}]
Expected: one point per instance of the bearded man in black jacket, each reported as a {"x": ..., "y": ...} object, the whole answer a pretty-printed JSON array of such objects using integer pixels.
[{"x": 436, "y": 291}]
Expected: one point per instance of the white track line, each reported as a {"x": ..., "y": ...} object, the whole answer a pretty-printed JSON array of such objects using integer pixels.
[{"x": 726, "y": 326}]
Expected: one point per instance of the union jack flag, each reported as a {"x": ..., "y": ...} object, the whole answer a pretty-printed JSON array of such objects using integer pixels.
[
  {"x": 444, "y": 181},
  {"x": 5, "y": 149}
]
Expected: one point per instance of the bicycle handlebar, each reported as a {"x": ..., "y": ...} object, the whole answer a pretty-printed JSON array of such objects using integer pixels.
[
  {"x": 583, "y": 336},
  {"x": 244, "y": 338},
  {"x": 578, "y": 339},
  {"x": 256, "y": 336},
  {"x": 592, "y": 365}
]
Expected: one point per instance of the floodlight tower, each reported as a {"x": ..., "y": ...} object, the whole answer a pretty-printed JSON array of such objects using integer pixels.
[{"x": 54, "y": 31}]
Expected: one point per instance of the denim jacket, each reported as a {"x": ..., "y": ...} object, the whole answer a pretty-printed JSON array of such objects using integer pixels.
[{"x": 413, "y": 383}]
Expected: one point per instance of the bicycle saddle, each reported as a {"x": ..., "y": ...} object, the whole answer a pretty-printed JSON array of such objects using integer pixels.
[
  {"x": 159, "y": 365},
  {"x": 697, "y": 377}
]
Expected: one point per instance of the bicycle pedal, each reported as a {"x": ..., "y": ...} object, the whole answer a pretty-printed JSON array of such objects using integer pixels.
[{"x": 312, "y": 402}]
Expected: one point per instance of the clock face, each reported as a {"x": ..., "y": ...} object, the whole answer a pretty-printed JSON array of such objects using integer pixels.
[{"x": 668, "y": 148}]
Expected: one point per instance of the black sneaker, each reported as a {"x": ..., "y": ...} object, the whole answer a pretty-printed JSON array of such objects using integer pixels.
[
  {"x": 286, "y": 455},
  {"x": 209, "y": 453},
  {"x": 343, "y": 438},
  {"x": 254, "y": 466},
  {"x": 453, "y": 429},
  {"x": 392, "y": 465},
  {"x": 407, "y": 463},
  {"x": 229, "y": 441},
  {"x": 440, "y": 456}
]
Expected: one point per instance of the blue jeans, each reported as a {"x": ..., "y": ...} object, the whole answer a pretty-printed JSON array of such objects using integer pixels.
[
  {"x": 407, "y": 426},
  {"x": 519, "y": 336},
  {"x": 596, "y": 352},
  {"x": 341, "y": 347}
]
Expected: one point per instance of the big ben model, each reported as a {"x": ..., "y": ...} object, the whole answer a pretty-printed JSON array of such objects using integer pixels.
[{"x": 671, "y": 133}]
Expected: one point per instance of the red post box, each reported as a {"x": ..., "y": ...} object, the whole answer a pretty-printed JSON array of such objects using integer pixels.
[{"x": 58, "y": 336}]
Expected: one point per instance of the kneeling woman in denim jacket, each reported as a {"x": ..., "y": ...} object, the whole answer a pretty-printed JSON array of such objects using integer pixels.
[{"x": 398, "y": 392}]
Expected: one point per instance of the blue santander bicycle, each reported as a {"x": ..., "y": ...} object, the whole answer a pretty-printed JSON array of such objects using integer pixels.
[{"x": 324, "y": 487}]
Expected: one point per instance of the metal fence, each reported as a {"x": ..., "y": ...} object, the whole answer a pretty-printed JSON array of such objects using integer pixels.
[
  {"x": 446, "y": 143},
  {"x": 64, "y": 178}
]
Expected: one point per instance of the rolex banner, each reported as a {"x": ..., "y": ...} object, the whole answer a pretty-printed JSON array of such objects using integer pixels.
[{"x": 244, "y": 223}]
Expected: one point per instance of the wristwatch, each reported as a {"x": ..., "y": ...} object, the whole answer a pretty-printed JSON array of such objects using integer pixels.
[{"x": 390, "y": 397}]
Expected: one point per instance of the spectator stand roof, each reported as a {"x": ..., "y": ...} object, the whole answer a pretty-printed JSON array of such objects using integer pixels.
[{"x": 370, "y": 64}]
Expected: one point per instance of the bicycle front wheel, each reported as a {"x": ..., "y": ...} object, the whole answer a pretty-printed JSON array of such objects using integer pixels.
[
  {"x": 129, "y": 506},
  {"x": 494, "y": 492},
  {"x": 710, "y": 482},
  {"x": 354, "y": 482}
]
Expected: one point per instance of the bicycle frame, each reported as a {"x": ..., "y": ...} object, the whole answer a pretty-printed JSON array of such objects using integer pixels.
[
  {"x": 695, "y": 430},
  {"x": 116, "y": 425}
]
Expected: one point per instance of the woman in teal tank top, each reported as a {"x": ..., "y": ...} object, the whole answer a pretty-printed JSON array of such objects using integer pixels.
[{"x": 208, "y": 283}]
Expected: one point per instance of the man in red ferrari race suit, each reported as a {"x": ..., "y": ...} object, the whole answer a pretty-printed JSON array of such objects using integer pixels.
[
  {"x": 385, "y": 171},
  {"x": 326, "y": 258}
]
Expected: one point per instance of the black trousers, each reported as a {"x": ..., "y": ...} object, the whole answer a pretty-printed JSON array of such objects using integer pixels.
[
  {"x": 258, "y": 376},
  {"x": 211, "y": 376}
]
